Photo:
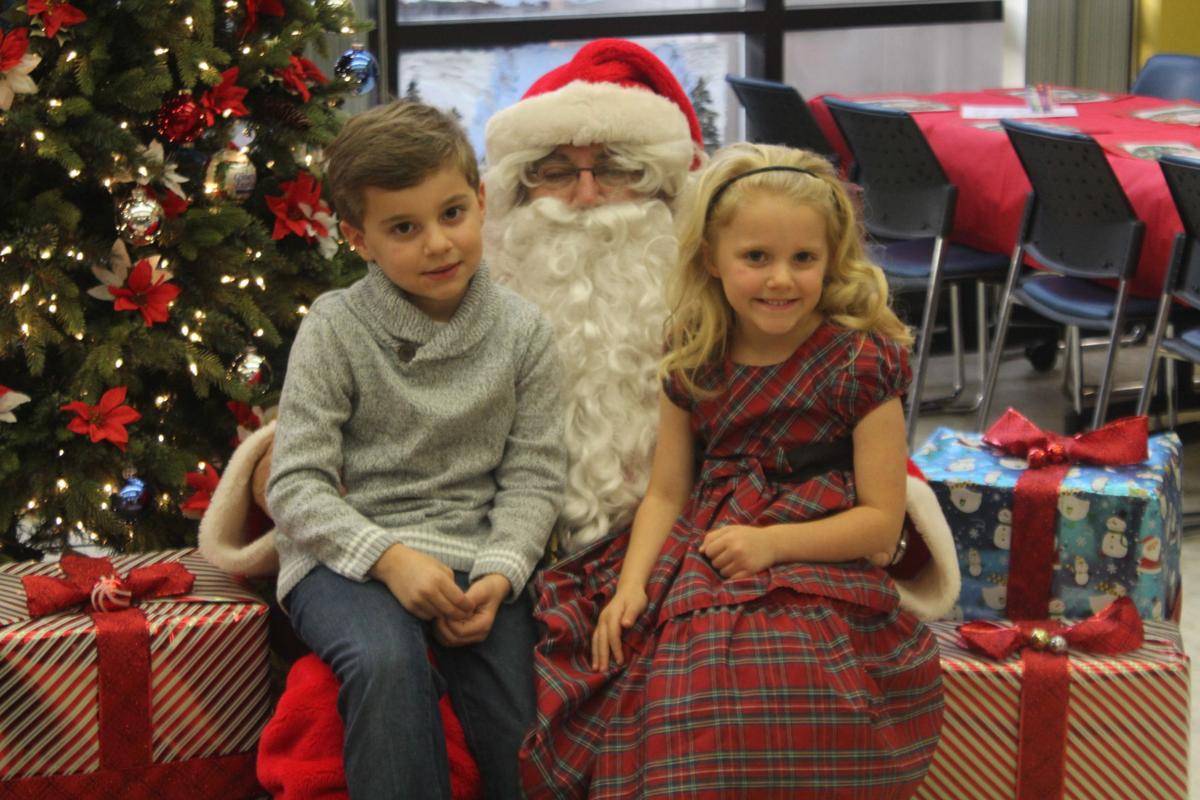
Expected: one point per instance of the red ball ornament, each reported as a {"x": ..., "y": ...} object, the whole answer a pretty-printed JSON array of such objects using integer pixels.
[
  {"x": 180, "y": 120},
  {"x": 1056, "y": 453},
  {"x": 1037, "y": 457}
]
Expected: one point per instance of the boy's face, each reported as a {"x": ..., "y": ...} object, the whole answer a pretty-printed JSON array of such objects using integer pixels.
[{"x": 425, "y": 238}]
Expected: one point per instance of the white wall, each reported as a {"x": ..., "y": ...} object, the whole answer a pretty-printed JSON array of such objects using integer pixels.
[{"x": 918, "y": 58}]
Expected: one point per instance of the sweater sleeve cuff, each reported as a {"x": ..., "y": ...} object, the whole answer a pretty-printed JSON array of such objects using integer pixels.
[
  {"x": 355, "y": 561},
  {"x": 502, "y": 562}
]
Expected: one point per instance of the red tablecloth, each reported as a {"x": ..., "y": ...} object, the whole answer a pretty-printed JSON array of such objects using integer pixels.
[{"x": 992, "y": 186}]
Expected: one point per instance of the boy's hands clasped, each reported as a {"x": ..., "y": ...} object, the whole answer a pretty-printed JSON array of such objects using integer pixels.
[{"x": 426, "y": 589}]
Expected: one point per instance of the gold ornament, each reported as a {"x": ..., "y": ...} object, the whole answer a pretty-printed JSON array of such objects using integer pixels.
[{"x": 1040, "y": 637}]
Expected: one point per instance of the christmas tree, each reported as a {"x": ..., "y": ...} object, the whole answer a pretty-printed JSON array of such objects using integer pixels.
[{"x": 162, "y": 231}]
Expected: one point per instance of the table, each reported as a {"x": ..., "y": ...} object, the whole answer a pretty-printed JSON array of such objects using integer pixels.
[{"x": 992, "y": 186}]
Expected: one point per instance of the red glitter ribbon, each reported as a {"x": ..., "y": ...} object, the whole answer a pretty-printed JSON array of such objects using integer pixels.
[
  {"x": 1035, "y": 497},
  {"x": 122, "y": 642},
  {"x": 1045, "y": 686}
]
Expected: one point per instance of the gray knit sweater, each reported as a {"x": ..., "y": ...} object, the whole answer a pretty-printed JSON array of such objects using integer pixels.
[{"x": 448, "y": 438}]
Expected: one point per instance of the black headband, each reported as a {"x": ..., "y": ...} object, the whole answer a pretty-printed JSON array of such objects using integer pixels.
[{"x": 712, "y": 201}]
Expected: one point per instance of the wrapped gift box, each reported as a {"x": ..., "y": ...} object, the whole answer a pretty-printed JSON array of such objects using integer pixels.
[
  {"x": 163, "y": 701},
  {"x": 1118, "y": 529},
  {"x": 1127, "y": 723}
]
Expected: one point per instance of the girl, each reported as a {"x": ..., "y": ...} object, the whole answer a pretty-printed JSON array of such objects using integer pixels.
[{"x": 747, "y": 648}]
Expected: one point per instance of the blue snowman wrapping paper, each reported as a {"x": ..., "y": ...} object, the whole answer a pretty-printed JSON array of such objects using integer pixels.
[{"x": 1118, "y": 529}]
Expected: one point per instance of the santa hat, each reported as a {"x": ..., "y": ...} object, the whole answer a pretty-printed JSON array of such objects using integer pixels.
[
  {"x": 232, "y": 530},
  {"x": 611, "y": 91},
  {"x": 927, "y": 576}
]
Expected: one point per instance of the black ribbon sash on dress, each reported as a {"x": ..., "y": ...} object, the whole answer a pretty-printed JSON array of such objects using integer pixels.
[{"x": 805, "y": 462}]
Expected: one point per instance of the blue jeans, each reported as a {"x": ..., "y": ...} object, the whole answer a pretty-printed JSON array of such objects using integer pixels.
[{"x": 388, "y": 699}]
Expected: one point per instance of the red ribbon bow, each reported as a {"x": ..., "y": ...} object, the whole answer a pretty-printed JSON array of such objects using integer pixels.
[
  {"x": 1035, "y": 497},
  {"x": 1045, "y": 687},
  {"x": 122, "y": 643},
  {"x": 1122, "y": 441},
  {"x": 91, "y": 579}
]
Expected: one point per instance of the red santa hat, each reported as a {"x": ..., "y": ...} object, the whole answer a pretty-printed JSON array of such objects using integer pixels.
[{"x": 611, "y": 91}]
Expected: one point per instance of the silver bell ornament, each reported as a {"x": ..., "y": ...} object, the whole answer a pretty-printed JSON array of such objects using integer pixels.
[
  {"x": 251, "y": 368},
  {"x": 139, "y": 218},
  {"x": 230, "y": 175},
  {"x": 358, "y": 68}
]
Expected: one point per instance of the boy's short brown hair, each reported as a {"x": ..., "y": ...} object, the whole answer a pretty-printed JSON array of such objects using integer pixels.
[{"x": 393, "y": 146}]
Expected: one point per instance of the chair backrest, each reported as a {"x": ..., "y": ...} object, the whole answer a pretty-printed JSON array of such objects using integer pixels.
[
  {"x": 1172, "y": 76},
  {"x": 1082, "y": 223},
  {"x": 1183, "y": 179},
  {"x": 906, "y": 192},
  {"x": 777, "y": 114}
]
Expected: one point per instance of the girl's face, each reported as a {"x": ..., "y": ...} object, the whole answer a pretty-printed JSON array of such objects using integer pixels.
[{"x": 771, "y": 259}]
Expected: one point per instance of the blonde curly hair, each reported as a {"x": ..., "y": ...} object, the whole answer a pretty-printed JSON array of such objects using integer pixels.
[{"x": 855, "y": 293}]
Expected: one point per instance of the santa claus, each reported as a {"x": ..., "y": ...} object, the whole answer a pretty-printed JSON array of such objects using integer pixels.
[{"x": 581, "y": 180}]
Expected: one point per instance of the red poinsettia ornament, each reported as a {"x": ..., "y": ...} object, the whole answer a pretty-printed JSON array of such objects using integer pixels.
[
  {"x": 300, "y": 211},
  {"x": 298, "y": 74},
  {"x": 12, "y": 47},
  {"x": 224, "y": 99},
  {"x": 105, "y": 420},
  {"x": 55, "y": 14},
  {"x": 203, "y": 485},
  {"x": 146, "y": 292},
  {"x": 271, "y": 8}
]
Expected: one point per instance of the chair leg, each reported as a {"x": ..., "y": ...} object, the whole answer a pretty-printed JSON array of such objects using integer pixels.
[
  {"x": 1075, "y": 349},
  {"x": 1171, "y": 388},
  {"x": 956, "y": 341},
  {"x": 989, "y": 385},
  {"x": 1152, "y": 362},
  {"x": 925, "y": 338},
  {"x": 1110, "y": 362}
]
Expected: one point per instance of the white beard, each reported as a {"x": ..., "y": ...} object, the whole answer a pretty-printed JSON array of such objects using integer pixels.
[{"x": 597, "y": 274}]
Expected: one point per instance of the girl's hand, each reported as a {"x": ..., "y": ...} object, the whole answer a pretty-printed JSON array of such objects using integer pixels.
[
  {"x": 619, "y": 615},
  {"x": 738, "y": 551}
]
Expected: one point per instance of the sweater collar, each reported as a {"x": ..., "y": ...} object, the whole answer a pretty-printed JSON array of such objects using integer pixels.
[{"x": 393, "y": 319}]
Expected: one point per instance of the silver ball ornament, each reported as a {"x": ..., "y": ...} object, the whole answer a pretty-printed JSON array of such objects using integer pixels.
[
  {"x": 139, "y": 219},
  {"x": 251, "y": 368},
  {"x": 1058, "y": 644}
]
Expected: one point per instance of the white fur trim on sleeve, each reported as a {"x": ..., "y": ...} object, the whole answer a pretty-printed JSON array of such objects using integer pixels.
[
  {"x": 583, "y": 113},
  {"x": 933, "y": 592},
  {"x": 224, "y": 540}
]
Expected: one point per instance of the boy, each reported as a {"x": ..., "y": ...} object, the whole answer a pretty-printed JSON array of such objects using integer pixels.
[{"x": 432, "y": 395}]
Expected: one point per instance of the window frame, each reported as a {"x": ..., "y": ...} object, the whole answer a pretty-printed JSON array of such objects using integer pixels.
[{"x": 763, "y": 23}]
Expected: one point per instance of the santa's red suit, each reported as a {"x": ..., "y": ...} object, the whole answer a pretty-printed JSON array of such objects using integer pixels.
[{"x": 597, "y": 273}]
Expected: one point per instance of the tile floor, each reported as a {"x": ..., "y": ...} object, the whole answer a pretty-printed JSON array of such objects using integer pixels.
[{"x": 1039, "y": 396}]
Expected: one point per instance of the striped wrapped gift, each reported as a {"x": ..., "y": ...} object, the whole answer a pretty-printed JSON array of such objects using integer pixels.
[
  {"x": 167, "y": 702},
  {"x": 1127, "y": 723}
]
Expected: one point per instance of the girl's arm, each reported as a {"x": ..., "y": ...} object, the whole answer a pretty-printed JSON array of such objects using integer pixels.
[
  {"x": 671, "y": 477},
  {"x": 872, "y": 526},
  {"x": 671, "y": 481}
]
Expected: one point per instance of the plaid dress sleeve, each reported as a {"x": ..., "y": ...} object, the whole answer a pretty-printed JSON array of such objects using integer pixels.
[{"x": 877, "y": 372}]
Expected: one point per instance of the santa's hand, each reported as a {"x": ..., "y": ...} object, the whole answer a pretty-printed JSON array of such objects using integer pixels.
[
  {"x": 738, "y": 551},
  {"x": 618, "y": 616}
]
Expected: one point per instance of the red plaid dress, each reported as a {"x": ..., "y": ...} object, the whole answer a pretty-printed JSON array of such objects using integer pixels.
[{"x": 804, "y": 681}]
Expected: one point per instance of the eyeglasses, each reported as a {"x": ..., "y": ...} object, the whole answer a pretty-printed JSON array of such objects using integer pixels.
[{"x": 561, "y": 175}]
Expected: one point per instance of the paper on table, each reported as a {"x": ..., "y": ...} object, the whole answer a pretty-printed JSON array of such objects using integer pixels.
[{"x": 1015, "y": 112}]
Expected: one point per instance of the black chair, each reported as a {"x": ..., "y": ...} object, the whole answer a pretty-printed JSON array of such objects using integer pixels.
[
  {"x": 1078, "y": 225},
  {"x": 777, "y": 114},
  {"x": 1182, "y": 282},
  {"x": 1171, "y": 76},
  {"x": 909, "y": 209}
]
